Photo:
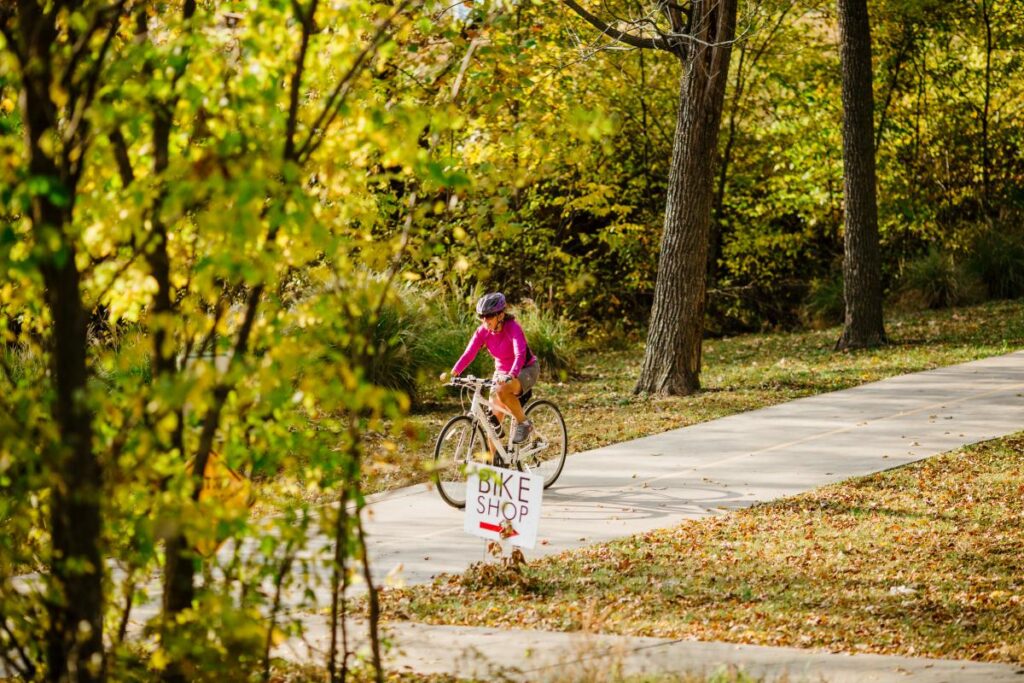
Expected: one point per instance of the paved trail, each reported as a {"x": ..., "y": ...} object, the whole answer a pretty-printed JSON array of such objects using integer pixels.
[
  {"x": 734, "y": 462},
  {"x": 688, "y": 473},
  {"x": 488, "y": 654}
]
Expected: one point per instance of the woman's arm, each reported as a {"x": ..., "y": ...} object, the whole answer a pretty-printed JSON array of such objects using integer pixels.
[
  {"x": 475, "y": 342},
  {"x": 518, "y": 348}
]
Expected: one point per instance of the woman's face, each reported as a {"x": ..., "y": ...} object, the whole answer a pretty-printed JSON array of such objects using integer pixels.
[{"x": 493, "y": 322}]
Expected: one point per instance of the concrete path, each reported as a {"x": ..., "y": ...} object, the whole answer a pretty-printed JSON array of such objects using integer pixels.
[
  {"x": 689, "y": 473},
  {"x": 731, "y": 463},
  {"x": 487, "y": 654}
]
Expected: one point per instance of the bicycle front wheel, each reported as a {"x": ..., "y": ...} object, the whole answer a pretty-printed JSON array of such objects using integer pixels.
[
  {"x": 458, "y": 441},
  {"x": 544, "y": 453}
]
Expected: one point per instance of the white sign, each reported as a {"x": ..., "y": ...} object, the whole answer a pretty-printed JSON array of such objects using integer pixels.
[{"x": 503, "y": 503}]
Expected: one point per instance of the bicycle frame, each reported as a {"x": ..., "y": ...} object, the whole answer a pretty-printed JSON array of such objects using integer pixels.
[{"x": 511, "y": 453}]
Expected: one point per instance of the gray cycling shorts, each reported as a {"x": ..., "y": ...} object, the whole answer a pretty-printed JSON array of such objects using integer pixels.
[{"x": 527, "y": 376}]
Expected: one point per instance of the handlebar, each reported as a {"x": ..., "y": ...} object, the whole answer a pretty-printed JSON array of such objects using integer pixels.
[{"x": 471, "y": 382}]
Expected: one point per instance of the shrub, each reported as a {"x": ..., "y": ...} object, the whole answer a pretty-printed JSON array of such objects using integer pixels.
[
  {"x": 398, "y": 342},
  {"x": 552, "y": 339},
  {"x": 449, "y": 323},
  {"x": 127, "y": 350},
  {"x": 421, "y": 332},
  {"x": 997, "y": 260},
  {"x": 936, "y": 280},
  {"x": 21, "y": 363},
  {"x": 393, "y": 342},
  {"x": 825, "y": 305}
]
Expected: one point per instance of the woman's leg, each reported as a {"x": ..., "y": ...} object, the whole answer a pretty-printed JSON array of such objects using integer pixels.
[
  {"x": 508, "y": 398},
  {"x": 499, "y": 410},
  {"x": 508, "y": 393}
]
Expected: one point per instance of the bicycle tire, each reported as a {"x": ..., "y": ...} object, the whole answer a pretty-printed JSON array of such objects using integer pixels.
[
  {"x": 548, "y": 427},
  {"x": 452, "y": 453}
]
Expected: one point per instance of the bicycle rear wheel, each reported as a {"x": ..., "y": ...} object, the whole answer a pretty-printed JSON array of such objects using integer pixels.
[
  {"x": 456, "y": 444},
  {"x": 544, "y": 452}
]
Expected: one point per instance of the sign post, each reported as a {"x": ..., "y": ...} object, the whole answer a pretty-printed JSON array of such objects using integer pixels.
[{"x": 503, "y": 505}]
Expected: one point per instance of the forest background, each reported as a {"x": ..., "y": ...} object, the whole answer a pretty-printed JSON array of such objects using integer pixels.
[{"x": 250, "y": 233}]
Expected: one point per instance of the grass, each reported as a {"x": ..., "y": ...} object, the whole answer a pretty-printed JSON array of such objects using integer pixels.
[
  {"x": 739, "y": 374},
  {"x": 924, "y": 560},
  {"x": 291, "y": 672},
  {"x": 597, "y": 672}
]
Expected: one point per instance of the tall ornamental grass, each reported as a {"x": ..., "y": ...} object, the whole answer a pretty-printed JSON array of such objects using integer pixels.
[
  {"x": 936, "y": 280},
  {"x": 420, "y": 332},
  {"x": 998, "y": 261},
  {"x": 552, "y": 339}
]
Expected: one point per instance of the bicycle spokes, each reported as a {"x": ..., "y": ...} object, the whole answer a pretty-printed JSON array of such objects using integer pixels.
[
  {"x": 471, "y": 438},
  {"x": 545, "y": 454}
]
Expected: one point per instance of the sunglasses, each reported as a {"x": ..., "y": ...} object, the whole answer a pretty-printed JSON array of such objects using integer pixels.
[{"x": 488, "y": 316}]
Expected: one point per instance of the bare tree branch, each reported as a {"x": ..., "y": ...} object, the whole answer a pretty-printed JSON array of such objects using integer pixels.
[
  {"x": 339, "y": 586},
  {"x": 658, "y": 43},
  {"x": 124, "y": 162},
  {"x": 462, "y": 69},
  {"x": 449, "y": 8},
  {"x": 207, "y": 342},
  {"x": 906, "y": 45},
  {"x": 26, "y": 670},
  {"x": 372, "y": 599},
  {"x": 82, "y": 45},
  {"x": 306, "y": 19},
  {"x": 120, "y": 271},
  {"x": 679, "y": 18},
  {"x": 129, "y": 599},
  {"x": 83, "y": 102},
  {"x": 609, "y": 11},
  {"x": 397, "y": 260},
  {"x": 323, "y": 122},
  {"x": 275, "y": 609}
]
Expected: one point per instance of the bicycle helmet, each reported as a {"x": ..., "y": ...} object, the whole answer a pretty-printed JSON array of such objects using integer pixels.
[{"x": 490, "y": 304}]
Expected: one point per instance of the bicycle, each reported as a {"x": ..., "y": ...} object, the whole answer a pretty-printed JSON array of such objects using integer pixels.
[{"x": 470, "y": 436}]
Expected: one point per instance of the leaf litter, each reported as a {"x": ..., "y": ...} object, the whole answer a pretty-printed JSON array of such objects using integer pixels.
[{"x": 923, "y": 560}]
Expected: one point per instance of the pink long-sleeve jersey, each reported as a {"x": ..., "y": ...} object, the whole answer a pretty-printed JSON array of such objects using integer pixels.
[{"x": 508, "y": 346}]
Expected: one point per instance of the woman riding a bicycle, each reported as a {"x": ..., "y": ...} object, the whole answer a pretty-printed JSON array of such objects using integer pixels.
[
  {"x": 515, "y": 367},
  {"x": 540, "y": 441}
]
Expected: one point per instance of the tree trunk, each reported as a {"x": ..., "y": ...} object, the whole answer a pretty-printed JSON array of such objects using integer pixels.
[
  {"x": 862, "y": 272},
  {"x": 75, "y": 632},
  {"x": 76, "y": 617},
  {"x": 75, "y": 647},
  {"x": 181, "y": 562},
  {"x": 986, "y": 160},
  {"x": 673, "y": 356}
]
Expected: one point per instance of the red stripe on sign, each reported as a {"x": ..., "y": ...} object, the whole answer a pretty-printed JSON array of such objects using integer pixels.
[{"x": 496, "y": 528}]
